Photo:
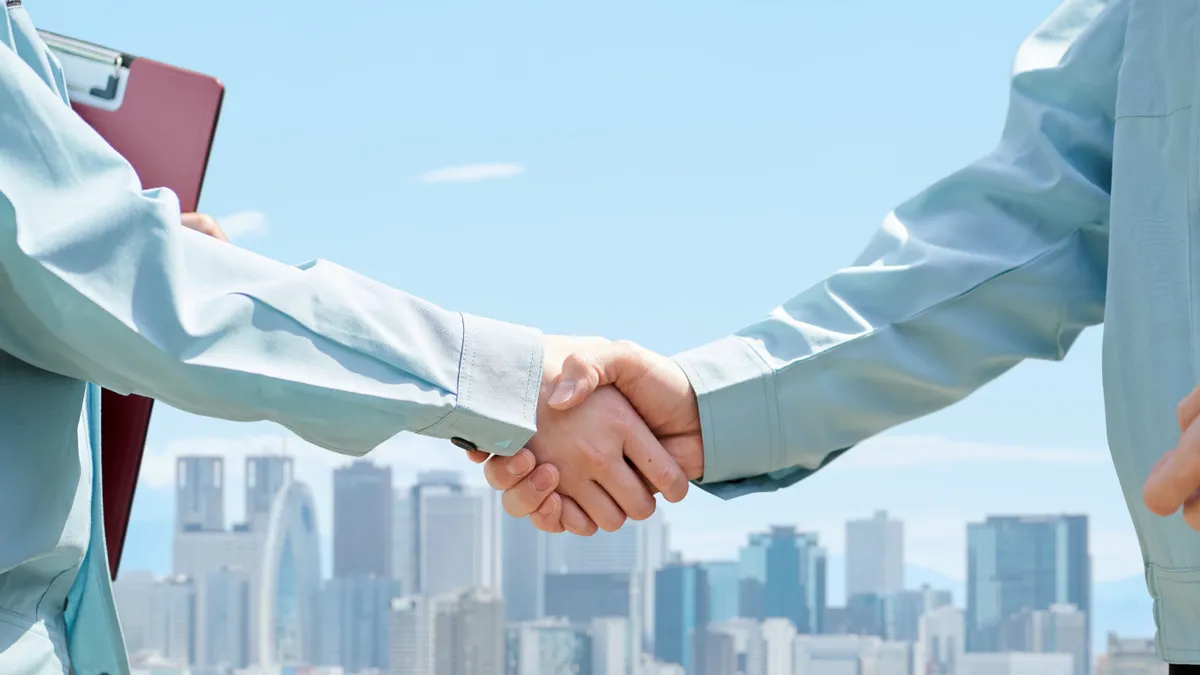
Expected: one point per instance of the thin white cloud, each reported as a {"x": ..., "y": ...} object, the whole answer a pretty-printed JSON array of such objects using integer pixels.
[
  {"x": 471, "y": 173},
  {"x": 244, "y": 224}
]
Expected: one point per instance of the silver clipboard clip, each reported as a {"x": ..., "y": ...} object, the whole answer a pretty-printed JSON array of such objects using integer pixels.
[{"x": 96, "y": 76}]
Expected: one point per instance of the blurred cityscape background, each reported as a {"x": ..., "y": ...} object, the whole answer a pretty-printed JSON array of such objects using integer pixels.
[{"x": 433, "y": 579}]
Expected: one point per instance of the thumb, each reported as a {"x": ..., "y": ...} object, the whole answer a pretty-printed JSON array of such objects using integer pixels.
[{"x": 586, "y": 370}]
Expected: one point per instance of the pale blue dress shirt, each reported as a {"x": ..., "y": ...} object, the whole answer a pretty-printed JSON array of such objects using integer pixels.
[
  {"x": 100, "y": 283},
  {"x": 1088, "y": 210}
]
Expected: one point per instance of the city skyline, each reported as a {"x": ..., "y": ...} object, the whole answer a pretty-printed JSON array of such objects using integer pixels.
[{"x": 204, "y": 491}]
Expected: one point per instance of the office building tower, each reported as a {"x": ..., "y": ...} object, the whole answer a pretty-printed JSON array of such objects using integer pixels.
[
  {"x": 752, "y": 576},
  {"x": 447, "y": 528},
  {"x": 795, "y": 579},
  {"x": 265, "y": 477},
  {"x": 902, "y": 611},
  {"x": 874, "y": 556},
  {"x": 1015, "y": 663},
  {"x": 681, "y": 615},
  {"x": 1130, "y": 656},
  {"x": 864, "y": 615},
  {"x": 770, "y": 650},
  {"x": 199, "y": 494},
  {"x": 612, "y": 642},
  {"x": 720, "y": 653},
  {"x": 353, "y": 624},
  {"x": 722, "y": 590},
  {"x": 1059, "y": 629},
  {"x": 939, "y": 646},
  {"x": 158, "y": 615},
  {"x": 411, "y": 633},
  {"x": 1017, "y": 564},
  {"x": 469, "y": 633},
  {"x": 547, "y": 646},
  {"x": 582, "y": 598},
  {"x": 524, "y": 569},
  {"x": 362, "y": 521},
  {"x": 404, "y": 530},
  {"x": 226, "y": 617}
]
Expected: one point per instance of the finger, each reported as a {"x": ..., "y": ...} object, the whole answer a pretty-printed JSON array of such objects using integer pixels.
[
  {"x": 654, "y": 462},
  {"x": 477, "y": 456},
  {"x": 204, "y": 224},
  {"x": 598, "y": 506},
  {"x": 1177, "y": 475},
  {"x": 1188, "y": 410},
  {"x": 548, "y": 517},
  {"x": 575, "y": 520},
  {"x": 504, "y": 472},
  {"x": 528, "y": 495},
  {"x": 590, "y": 368},
  {"x": 629, "y": 491},
  {"x": 1191, "y": 511}
]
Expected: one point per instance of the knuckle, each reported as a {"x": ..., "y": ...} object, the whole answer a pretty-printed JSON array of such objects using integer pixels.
[
  {"x": 593, "y": 456},
  {"x": 575, "y": 362}
]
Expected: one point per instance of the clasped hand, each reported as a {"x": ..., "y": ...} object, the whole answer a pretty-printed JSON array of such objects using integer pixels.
[{"x": 616, "y": 423}]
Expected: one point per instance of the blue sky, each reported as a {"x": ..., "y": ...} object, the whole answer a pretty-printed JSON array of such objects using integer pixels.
[{"x": 667, "y": 173}]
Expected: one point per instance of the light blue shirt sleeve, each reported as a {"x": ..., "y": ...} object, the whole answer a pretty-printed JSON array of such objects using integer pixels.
[
  {"x": 99, "y": 281},
  {"x": 1001, "y": 261}
]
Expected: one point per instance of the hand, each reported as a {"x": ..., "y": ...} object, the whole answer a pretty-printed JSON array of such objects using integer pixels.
[
  {"x": 1174, "y": 481},
  {"x": 204, "y": 224},
  {"x": 592, "y": 446},
  {"x": 654, "y": 384}
]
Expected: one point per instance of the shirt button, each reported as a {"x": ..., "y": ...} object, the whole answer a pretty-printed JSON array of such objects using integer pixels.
[{"x": 463, "y": 443}]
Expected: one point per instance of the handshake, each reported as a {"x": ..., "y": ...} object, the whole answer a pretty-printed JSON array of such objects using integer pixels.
[{"x": 615, "y": 424}]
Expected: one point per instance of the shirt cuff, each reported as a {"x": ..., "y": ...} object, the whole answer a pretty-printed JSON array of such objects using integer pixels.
[
  {"x": 739, "y": 409},
  {"x": 499, "y": 381}
]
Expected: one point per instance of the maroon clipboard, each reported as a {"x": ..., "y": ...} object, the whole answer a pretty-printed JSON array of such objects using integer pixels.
[{"x": 162, "y": 119}]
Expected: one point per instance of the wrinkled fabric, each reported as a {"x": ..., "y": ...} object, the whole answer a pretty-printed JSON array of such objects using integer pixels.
[
  {"x": 1088, "y": 210},
  {"x": 100, "y": 284}
]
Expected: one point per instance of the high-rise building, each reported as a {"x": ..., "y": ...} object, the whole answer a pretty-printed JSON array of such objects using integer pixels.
[
  {"x": 1130, "y": 656},
  {"x": 226, "y": 618},
  {"x": 722, "y": 590},
  {"x": 874, "y": 556},
  {"x": 547, "y": 646},
  {"x": 469, "y": 633},
  {"x": 902, "y": 611},
  {"x": 199, "y": 494},
  {"x": 1017, "y": 564},
  {"x": 582, "y": 598},
  {"x": 1015, "y": 663},
  {"x": 795, "y": 579},
  {"x": 771, "y": 648},
  {"x": 411, "y": 634},
  {"x": 720, "y": 652},
  {"x": 404, "y": 529},
  {"x": 1059, "y": 629},
  {"x": 752, "y": 576},
  {"x": 524, "y": 569},
  {"x": 681, "y": 615},
  {"x": 611, "y": 645},
  {"x": 352, "y": 626},
  {"x": 362, "y": 521},
  {"x": 158, "y": 615},
  {"x": 939, "y": 646},
  {"x": 447, "y": 534},
  {"x": 265, "y": 477}
]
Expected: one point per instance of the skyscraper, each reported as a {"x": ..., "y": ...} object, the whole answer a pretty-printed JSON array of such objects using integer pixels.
[
  {"x": 791, "y": 566},
  {"x": 1017, "y": 564},
  {"x": 722, "y": 590},
  {"x": 352, "y": 626},
  {"x": 447, "y": 534},
  {"x": 362, "y": 521},
  {"x": 874, "y": 556},
  {"x": 265, "y": 477},
  {"x": 681, "y": 616},
  {"x": 524, "y": 569},
  {"x": 199, "y": 494}
]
